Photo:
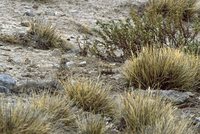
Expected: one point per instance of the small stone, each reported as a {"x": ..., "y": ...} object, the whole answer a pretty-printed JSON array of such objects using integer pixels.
[
  {"x": 70, "y": 64},
  {"x": 7, "y": 81},
  {"x": 29, "y": 13},
  {"x": 82, "y": 64},
  {"x": 197, "y": 119}
]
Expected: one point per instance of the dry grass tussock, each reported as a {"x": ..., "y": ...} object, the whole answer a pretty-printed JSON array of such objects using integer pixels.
[
  {"x": 58, "y": 108},
  {"x": 91, "y": 96},
  {"x": 43, "y": 35},
  {"x": 150, "y": 114},
  {"x": 20, "y": 118},
  {"x": 91, "y": 124},
  {"x": 185, "y": 9},
  {"x": 164, "y": 68}
]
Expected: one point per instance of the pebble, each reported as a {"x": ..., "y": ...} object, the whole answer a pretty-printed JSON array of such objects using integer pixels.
[
  {"x": 82, "y": 64},
  {"x": 70, "y": 64},
  {"x": 29, "y": 13}
]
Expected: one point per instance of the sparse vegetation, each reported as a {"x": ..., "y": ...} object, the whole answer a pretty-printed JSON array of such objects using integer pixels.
[
  {"x": 91, "y": 124},
  {"x": 118, "y": 40},
  {"x": 20, "y": 118},
  {"x": 164, "y": 68},
  {"x": 12, "y": 39},
  {"x": 44, "y": 36},
  {"x": 159, "y": 45},
  {"x": 91, "y": 96},
  {"x": 58, "y": 107},
  {"x": 148, "y": 113},
  {"x": 185, "y": 9}
]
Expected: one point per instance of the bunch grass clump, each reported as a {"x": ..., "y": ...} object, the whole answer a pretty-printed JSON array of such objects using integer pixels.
[
  {"x": 57, "y": 106},
  {"x": 185, "y": 9},
  {"x": 90, "y": 96},
  {"x": 91, "y": 124},
  {"x": 162, "y": 68},
  {"x": 148, "y": 113},
  {"x": 44, "y": 36},
  {"x": 20, "y": 118}
]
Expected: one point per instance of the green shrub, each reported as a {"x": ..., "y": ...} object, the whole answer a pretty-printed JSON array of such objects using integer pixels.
[
  {"x": 90, "y": 96},
  {"x": 150, "y": 114},
  {"x": 20, "y": 118},
  {"x": 131, "y": 35},
  {"x": 164, "y": 68}
]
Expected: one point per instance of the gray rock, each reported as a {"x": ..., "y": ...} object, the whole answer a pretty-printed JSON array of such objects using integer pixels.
[
  {"x": 38, "y": 86},
  {"x": 4, "y": 90},
  {"x": 176, "y": 97},
  {"x": 7, "y": 81},
  {"x": 197, "y": 119}
]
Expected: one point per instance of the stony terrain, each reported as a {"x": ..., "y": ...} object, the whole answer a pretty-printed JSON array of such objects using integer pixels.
[{"x": 71, "y": 17}]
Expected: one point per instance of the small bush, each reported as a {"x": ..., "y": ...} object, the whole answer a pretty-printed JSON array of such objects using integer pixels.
[
  {"x": 20, "y": 118},
  {"x": 90, "y": 96},
  {"x": 164, "y": 68},
  {"x": 58, "y": 107},
  {"x": 150, "y": 114},
  {"x": 118, "y": 40},
  {"x": 44, "y": 36},
  {"x": 91, "y": 124}
]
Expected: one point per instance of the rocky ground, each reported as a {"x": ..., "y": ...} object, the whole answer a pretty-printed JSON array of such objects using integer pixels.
[{"x": 25, "y": 67}]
